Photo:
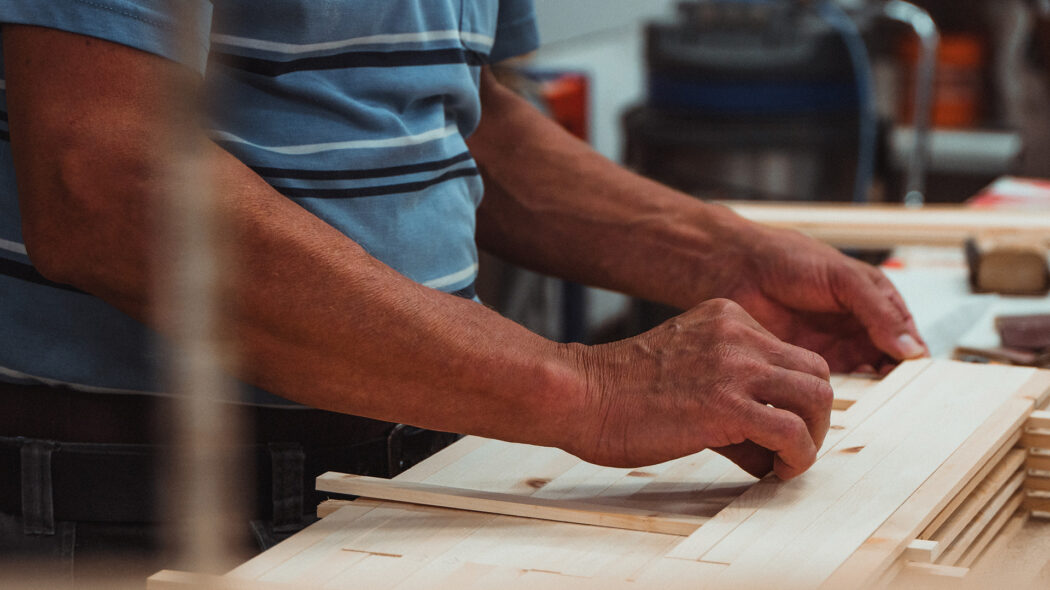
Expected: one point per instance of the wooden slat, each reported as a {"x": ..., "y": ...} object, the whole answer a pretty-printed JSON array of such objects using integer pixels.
[
  {"x": 961, "y": 496},
  {"x": 1038, "y": 461},
  {"x": 995, "y": 528},
  {"x": 1006, "y": 470},
  {"x": 934, "y": 494},
  {"x": 1040, "y": 419},
  {"x": 887, "y": 226},
  {"x": 981, "y": 520},
  {"x": 510, "y": 505},
  {"x": 1036, "y": 439},
  {"x": 1037, "y": 483}
]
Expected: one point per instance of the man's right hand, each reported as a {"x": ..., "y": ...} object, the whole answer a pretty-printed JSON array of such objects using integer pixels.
[{"x": 709, "y": 378}]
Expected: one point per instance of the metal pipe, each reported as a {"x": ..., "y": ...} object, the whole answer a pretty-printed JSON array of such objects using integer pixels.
[{"x": 926, "y": 30}]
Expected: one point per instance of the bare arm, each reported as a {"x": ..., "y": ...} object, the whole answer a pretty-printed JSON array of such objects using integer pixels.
[
  {"x": 555, "y": 205},
  {"x": 318, "y": 320}
]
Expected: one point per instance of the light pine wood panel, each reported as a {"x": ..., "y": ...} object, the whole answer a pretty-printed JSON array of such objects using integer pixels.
[
  {"x": 952, "y": 404},
  {"x": 885, "y": 545}
]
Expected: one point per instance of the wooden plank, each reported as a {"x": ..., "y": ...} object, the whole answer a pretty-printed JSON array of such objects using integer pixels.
[
  {"x": 510, "y": 505},
  {"x": 1009, "y": 520},
  {"x": 1009, "y": 492},
  {"x": 923, "y": 550},
  {"x": 1006, "y": 470},
  {"x": 738, "y": 512},
  {"x": 888, "y": 541},
  {"x": 937, "y": 413},
  {"x": 887, "y": 226},
  {"x": 302, "y": 541},
  {"x": 1040, "y": 419}
]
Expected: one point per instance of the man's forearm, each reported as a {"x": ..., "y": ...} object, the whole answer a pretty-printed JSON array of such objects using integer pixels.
[
  {"x": 313, "y": 316},
  {"x": 555, "y": 205}
]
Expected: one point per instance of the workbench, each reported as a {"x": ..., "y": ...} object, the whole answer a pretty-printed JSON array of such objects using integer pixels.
[{"x": 921, "y": 479}]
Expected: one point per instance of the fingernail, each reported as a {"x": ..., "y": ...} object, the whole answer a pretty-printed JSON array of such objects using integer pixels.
[{"x": 909, "y": 347}]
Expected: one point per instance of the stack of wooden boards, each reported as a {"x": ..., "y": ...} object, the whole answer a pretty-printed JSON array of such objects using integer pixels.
[{"x": 922, "y": 467}]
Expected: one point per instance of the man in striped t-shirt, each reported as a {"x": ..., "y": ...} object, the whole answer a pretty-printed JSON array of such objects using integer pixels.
[{"x": 350, "y": 141}]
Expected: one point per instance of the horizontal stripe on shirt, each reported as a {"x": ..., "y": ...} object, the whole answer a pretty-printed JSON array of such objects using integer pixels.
[
  {"x": 387, "y": 39},
  {"x": 353, "y": 59},
  {"x": 376, "y": 191},
  {"x": 270, "y": 172},
  {"x": 316, "y": 148},
  {"x": 15, "y": 247}
]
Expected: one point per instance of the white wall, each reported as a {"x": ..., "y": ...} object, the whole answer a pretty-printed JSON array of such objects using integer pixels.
[
  {"x": 560, "y": 20},
  {"x": 602, "y": 38}
]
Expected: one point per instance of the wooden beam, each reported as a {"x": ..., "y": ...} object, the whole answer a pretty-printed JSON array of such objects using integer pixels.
[
  {"x": 1036, "y": 439},
  {"x": 509, "y": 504},
  {"x": 1006, "y": 524}
]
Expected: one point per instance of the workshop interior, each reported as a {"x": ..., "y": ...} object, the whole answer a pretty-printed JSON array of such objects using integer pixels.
[{"x": 913, "y": 135}]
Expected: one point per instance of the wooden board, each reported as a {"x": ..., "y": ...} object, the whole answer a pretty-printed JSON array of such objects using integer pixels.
[
  {"x": 895, "y": 459},
  {"x": 887, "y": 226}
]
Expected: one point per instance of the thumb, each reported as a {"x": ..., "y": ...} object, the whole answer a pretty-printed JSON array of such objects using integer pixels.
[{"x": 875, "y": 302}]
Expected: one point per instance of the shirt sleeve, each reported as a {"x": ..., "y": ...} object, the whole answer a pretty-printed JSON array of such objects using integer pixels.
[
  {"x": 516, "y": 31},
  {"x": 147, "y": 25}
]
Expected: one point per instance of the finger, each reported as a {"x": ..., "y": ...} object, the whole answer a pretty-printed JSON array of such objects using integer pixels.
[
  {"x": 804, "y": 395},
  {"x": 890, "y": 290},
  {"x": 786, "y": 435},
  {"x": 748, "y": 456},
  {"x": 888, "y": 324},
  {"x": 795, "y": 358}
]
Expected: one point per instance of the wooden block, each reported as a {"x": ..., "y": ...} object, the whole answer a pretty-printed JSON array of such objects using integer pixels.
[
  {"x": 1007, "y": 264},
  {"x": 1024, "y": 331},
  {"x": 507, "y": 504},
  {"x": 1040, "y": 420},
  {"x": 923, "y": 550},
  {"x": 933, "y": 569}
]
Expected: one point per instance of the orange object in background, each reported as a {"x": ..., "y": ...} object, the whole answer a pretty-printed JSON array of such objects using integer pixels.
[
  {"x": 959, "y": 87},
  {"x": 566, "y": 97}
]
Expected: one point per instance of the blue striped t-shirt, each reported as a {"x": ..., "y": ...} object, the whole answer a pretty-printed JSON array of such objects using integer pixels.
[{"x": 357, "y": 110}]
